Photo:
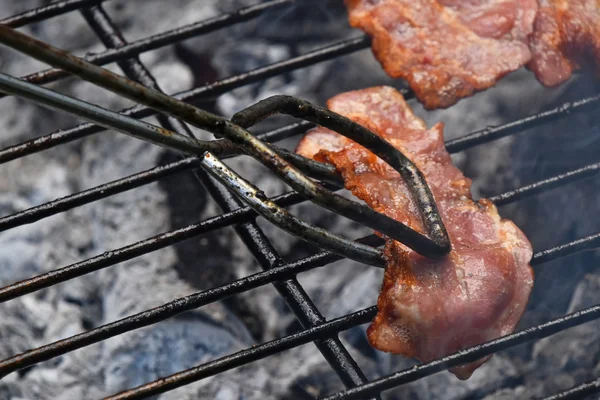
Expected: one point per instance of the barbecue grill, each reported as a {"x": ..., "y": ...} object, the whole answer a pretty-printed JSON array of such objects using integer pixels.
[{"x": 282, "y": 275}]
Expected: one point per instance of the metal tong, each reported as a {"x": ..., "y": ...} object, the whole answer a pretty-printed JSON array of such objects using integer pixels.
[{"x": 289, "y": 167}]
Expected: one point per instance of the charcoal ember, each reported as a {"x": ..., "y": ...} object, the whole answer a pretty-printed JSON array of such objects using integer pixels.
[
  {"x": 60, "y": 33},
  {"x": 256, "y": 54},
  {"x": 316, "y": 84},
  {"x": 142, "y": 356},
  {"x": 165, "y": 348},
  {"x": 127, "y": 217},
  {"x": 260, "y": 42},
  {"x": 140, "y": 18},
  {"x": 260, "y": 314},
  {"x": 571, "y": 356},
  {"x": 8, "y": 390},
  {"x": 21, "y": 119},
  {"x": 539, "y": 154},
  {"x": 107, "y": 295},
  {"x": 518, "y": 392},
  {"x": 500, "y": 373},
  {"x": 303, "y": 372},
  {"x": 491, "y": 165},
  {"x": 565, "y": 359},
  {"x": 17, "y": 7},
  {"x": 26, "y": 251},
  {"x": 188, "y": 203},
  {"x": 319, "y": 382},
  {"x": 101, "y": 297},
  {"x": 299, "y": 19},
  {"x": 243, "y": 383}
]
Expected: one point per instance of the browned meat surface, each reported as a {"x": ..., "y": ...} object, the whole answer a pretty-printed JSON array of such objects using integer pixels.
[
  {"x": 429, "y": 309},
  {"x": 567, "y": 33},
  {"x": 498, "y": 19},
  {"x": 436, "y": 51}
]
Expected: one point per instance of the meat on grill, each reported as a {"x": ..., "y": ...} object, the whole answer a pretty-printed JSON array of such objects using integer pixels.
[
  {"x": 428, "y": 308},
  {"x": 436, "y": 48},
  {"x": 567, "y": 32},
  {"x": 497, "y": 19}
]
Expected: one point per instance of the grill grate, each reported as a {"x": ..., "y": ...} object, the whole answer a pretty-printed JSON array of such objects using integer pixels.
[{"x": 316, "y": 329}]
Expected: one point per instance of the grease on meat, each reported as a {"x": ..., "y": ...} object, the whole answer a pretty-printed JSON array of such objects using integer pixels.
[
  {"x": 567, "y": 33},
  {"x": 427, "y": 308},
  {"x": 497, "y": 19},
  {"x": 434, "y": 49}
]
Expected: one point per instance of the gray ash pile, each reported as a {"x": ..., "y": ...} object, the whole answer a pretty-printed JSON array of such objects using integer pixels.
[{"x": 214, "y": 259}]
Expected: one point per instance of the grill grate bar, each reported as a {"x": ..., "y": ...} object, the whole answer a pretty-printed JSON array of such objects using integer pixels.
[
  {"x": 587, "y": 243},
  {"x": 546, "y": 184},
  {"x": 215, "y": 88},
  {"x": 497, "y": 132},
  {"x": 66, "y": 203},
  {"x": 252, "y": 354},
  {"x": 199, "y": 299},
  {"x": 435, "y": 244},
  {"x": 125, "y": 51},
  {"x": 293, "y": 293},
  {"x": 264, "y": 350},
  {"x": 469, "y": 355},
  {"x": 168, "y": 310},
  {"x": 476, "y": 138},
  {"x": 110, "y": 258},
  {"x": 577, "y": 392},
  {"x": 51, "y": 208},
  {"x": 257, "y": 243},
  {"x": 193, "y": 301},
  {"x": 48, "y": 11},
  {"x": 244, "y": 214}
]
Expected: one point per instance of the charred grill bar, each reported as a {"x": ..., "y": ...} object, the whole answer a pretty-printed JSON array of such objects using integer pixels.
[
  {"x": 437, "y": 245},
  {"x": 215, "y": 88},
  {"x": 49, "y": 11},
  {"x": 298, "y": 301},
  {"x": 331, "y": 347},
  {"x": 282, "y": 275}
]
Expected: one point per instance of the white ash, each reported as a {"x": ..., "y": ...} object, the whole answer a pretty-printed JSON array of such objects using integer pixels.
[{"x": 337, "y": 289}]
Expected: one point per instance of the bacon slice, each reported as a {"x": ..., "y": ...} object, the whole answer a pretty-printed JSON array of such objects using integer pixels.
[
  {"x": 567, "y": 32},
  {"x": 429, "y": 309},
  {"x": 429, "y": 46},
  {"x": 497, "y": 19}
]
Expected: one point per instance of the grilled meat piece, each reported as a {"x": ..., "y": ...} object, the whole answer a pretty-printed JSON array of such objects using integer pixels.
[
  {"x": 431, "y": 47},
  {"x": 429, "y": 308},
  {"x": 567, "y": 33},
  {"x": 497, "y": 19}
]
